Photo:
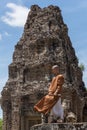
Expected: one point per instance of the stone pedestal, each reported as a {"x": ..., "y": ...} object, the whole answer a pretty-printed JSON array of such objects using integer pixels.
[{"x": 64, "y": 126}]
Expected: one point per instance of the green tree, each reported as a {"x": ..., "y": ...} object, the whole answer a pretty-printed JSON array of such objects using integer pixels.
[
  {"x": 82, "y": 67},
  {"x": 1, "y": 122}
]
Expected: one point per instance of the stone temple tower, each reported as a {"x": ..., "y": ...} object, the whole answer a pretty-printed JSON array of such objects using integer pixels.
[{"x": 44, "y": 42}]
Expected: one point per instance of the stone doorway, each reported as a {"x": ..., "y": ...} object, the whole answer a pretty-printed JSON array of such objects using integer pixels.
[{"x": 28, "y": 121}]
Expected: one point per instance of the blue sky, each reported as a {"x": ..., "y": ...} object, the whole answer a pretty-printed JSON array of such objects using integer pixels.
[{"x": 13, "y": 14}]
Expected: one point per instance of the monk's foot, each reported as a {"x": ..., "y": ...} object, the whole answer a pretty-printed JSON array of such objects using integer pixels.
[{"x": 52, "y": 121}]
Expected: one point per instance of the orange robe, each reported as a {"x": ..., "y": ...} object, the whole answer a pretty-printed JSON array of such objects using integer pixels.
[{"x": 48, "y": 101}]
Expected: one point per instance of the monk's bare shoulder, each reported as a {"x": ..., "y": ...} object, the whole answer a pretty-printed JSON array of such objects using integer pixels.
[{"x": 60, "y": 79}]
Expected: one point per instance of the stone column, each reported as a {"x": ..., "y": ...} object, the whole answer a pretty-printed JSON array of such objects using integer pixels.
[
  {"x": 4, "y": 120},
  {"x": 22, "y": 122},
  {"x": 80, "y": 105},
  {"x": 27, "y": 124},
  {"x": 16, "y": 122},
  {"x": 6, "y": 115}
]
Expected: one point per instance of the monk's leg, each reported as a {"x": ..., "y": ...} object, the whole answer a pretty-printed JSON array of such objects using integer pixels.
[
  {"x": 51, "y": 118},
  {"x": 61, "y": 115},
  {"x": 44, "y": 118}
]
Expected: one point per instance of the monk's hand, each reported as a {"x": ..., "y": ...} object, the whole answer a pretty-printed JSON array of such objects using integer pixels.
[
  {"x": 50, "y": 94},
  {"x": 55, "y": 94}
]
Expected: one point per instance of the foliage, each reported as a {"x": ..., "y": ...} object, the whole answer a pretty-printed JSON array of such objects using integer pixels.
[
  {"x": 82, "y": 67},
  {"x": 1, "y": 122}
]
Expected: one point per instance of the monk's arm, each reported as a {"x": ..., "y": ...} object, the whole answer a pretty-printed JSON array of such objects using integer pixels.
[
  {"x": 50, "y": 87},
  {"x": 57, "y": 90},
  {"x": 60, "y": 82}
]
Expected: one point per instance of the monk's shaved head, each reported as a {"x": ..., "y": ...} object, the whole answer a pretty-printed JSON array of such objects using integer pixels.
[
  {"x": 55, "y": 66},
  {"x": 55, "y": 69}
]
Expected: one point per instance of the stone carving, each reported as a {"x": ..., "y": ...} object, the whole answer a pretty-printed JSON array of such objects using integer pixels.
[
  {"x": 71, "y": 117},
  {"x": 44, "y": 42},
  {"x": 66, "y": 107}
]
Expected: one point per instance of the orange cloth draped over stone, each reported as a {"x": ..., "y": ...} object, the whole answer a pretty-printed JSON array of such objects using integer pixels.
[{"x": 48, "y": 101}]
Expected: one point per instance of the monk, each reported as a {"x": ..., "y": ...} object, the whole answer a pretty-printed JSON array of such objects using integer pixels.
[{"x": 52, "y": 101}]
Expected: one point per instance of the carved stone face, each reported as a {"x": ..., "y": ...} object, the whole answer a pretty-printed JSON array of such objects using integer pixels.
[{"x": 71, "y": 117}]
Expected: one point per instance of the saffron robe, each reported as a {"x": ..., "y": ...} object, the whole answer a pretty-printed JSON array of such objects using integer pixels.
[{"x": 48, "y": 101}]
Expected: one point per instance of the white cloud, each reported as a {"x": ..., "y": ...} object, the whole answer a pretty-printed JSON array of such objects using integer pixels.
[
  {"x": 0, "y": 37},
  {"x": 6, "y": 34},
  {"x": 17, "y": 16}
]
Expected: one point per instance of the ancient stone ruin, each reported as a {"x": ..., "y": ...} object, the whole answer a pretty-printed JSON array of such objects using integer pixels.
[{"x": 45, "y": 42}]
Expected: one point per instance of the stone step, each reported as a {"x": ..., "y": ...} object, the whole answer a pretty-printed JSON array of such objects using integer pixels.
[{"x": 61, "y": 126}]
